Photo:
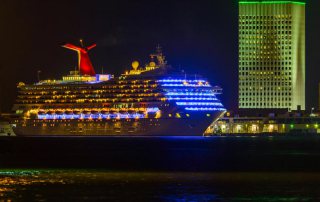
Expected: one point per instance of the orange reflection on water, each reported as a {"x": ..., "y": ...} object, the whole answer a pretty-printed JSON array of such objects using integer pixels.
[{"x": 10, "y": 185}]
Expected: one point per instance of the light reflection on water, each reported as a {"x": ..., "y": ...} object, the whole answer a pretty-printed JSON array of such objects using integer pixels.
[{"x": 95, "y": 185}]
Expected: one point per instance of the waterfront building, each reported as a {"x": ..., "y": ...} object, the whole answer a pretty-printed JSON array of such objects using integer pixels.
[
  {"x": 266, "y": 125},
  {"x": 272, "y": 54},
  {"x": 319, "y": 97}
]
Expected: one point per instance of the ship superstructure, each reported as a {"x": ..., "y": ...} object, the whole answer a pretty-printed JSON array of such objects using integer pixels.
[{"x": 152, "y": 100}]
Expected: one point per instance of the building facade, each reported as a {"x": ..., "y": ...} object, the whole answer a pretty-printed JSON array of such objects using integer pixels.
[
  {"x": 319, "y": 97},
  {"x": 272, "y": 54}
]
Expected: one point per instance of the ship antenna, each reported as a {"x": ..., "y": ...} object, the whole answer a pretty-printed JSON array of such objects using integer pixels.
[
  {"x": 160, "y": 57},
  {"x": 38, "y": 75},
  {"x": 159, "y": 49},
  {"x": 81, "y": 43}
]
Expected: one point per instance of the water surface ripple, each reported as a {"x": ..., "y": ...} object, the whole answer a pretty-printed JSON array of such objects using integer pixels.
[{"x": 160, "y": 169}]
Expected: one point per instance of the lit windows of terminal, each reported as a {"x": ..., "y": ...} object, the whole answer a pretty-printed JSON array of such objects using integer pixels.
[{"x": 271, "y": 54}]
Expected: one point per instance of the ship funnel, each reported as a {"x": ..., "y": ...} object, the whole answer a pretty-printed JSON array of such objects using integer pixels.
[{"x": 84, "y": 62}]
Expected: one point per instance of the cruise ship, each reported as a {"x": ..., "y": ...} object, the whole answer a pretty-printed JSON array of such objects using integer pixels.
[{"x": 153, "y": 100}]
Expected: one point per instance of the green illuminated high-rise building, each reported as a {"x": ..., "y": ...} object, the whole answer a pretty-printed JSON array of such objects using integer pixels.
[{"x": 272, "y": 54}]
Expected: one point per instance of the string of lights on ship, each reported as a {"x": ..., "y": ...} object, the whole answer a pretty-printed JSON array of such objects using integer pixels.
[{"x": 120, "y": 100}]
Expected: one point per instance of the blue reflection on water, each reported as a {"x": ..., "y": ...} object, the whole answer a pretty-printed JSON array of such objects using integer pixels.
[{"x": 83, "y": 185}]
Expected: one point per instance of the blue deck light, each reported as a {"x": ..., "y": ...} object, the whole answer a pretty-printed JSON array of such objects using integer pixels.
[{"x": 194, "y": 95}]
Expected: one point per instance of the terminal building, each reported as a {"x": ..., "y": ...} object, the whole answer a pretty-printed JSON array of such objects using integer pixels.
[
  {"x": 266, "y": 125},
  {"x": 271, "y": 55}
]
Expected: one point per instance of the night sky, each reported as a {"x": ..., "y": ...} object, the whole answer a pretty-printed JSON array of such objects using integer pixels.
[{"x": 199, "y": 36}]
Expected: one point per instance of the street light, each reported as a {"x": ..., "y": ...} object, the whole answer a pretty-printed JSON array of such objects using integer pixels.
[{"x": 312, "y": 109}]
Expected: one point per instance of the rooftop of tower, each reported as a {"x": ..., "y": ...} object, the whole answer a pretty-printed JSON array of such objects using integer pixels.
[{"x": 272, "y": 1}]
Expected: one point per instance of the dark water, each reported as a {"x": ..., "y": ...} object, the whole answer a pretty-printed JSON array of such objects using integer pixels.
[{"x": 160, "y": 169}]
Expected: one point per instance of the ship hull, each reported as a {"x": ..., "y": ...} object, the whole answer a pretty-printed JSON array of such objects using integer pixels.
[{"x": 195, "y": 126}]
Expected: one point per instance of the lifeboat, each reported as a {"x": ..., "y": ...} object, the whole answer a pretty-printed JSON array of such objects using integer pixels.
[
  {"x": 141, "y": 111},
  {"x": 123, "y": 110},
  {"x": 104, "y": 111},
  {"x": 132, "y": 111},
  {"x": 76, "y": 112},
  {"x": 86, "y": 112},
  {"x": 59, "y": 112},
  {"x": 94, "y": 112},
  {"x": 50, "y": 112},
  {"x": 41, "y": 112},
  {"x": 113, "y": 111},
  {"x": 68, "y": 111}
]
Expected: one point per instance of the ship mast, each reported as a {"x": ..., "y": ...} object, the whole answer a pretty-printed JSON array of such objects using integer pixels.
[{"x": 159, "y": 56}]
